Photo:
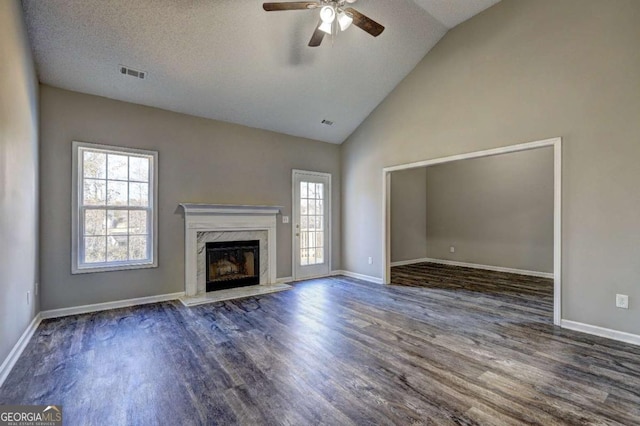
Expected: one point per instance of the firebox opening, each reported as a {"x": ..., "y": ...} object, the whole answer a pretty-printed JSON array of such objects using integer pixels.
[{"x": 232, "y": 264}]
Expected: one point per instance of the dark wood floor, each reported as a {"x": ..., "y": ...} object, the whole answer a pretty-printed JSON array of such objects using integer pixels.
[{"x": 442, "y": 346}]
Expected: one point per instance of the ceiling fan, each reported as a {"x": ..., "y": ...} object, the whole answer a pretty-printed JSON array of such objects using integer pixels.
[{"x": 333, "y": 14}]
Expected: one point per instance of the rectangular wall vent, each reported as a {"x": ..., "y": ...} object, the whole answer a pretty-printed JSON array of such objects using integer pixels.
[
  {"x": 327, "y": 122},
  {"x": 125, "y": 70}
]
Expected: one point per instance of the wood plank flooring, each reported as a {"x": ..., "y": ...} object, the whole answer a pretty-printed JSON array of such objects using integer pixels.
[{"x": 444, "y": 345}]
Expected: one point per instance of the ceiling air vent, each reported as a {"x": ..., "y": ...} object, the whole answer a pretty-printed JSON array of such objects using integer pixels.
[
  {"x": 125, "y": 70},
  {"x": 327, "y": 122}
]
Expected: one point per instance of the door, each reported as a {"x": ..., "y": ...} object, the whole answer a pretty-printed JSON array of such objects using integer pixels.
[{"x": 311, "y": 224}]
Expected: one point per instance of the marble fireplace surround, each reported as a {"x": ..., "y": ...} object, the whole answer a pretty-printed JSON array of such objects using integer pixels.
[{"x": 223, "y": 222}]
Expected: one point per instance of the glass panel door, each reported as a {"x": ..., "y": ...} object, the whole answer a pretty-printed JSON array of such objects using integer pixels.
[{"x": 311, "y": 223}]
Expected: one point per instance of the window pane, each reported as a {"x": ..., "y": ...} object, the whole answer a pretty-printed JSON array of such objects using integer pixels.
[
  {"x": 93, "y": 193},
  {"x": 94, "y": 164},
  {"x": 139, "y": 169},
  {"x": 117, "y": 222},
  {"x": 312, "y": 239},
  {"x": 94, "y": 222},
  {"x": 320, "y": 239},
  {"x": 312, "y": 190},
  {"x": 319, "y": 222},
  {"x": 312, "y": 207},
  {"x": 303, "y": 189},
  {"x": 319, "y": 209},
  {"x": 303, "y": 207},
  {"x": 137, "y": 222},
  {"x": 94, "y": 249},
  {"x": 304, "y": 257},
  {"x": 311, "y": 222},
  {"x": 139, "y": 194},
  {"x": 320, "y": 190},
  {"x": 304, "y": 223},
  {"x": 319, "y": 256},
  {"x": 118, "y": 167},
  {"x": 117, "y": 193},
  {"x": 117, "y": 249},
  {"x": 137, "y": 248}
]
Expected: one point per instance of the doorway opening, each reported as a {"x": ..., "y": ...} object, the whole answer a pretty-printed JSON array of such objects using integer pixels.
[{"x": 555, "y": 144}]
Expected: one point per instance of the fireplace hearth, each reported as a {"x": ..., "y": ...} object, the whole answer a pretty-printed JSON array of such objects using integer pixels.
[{"x": 231, "y": 264}]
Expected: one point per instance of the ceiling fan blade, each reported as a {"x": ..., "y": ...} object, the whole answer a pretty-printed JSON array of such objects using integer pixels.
[
  {"x": 316, "y": 38},
  {"x": 364, "y": 22},
  {"x": 292, "y": 5}
]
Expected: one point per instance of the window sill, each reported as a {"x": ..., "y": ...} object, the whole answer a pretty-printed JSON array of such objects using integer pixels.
[{"x": 90, "y": 270}]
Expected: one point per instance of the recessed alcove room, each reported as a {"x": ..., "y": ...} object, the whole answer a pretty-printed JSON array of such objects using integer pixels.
[{"x": 323, "y": 212}]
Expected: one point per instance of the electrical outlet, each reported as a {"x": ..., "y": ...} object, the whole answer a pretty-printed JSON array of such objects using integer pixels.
[
  {"x": 285, "y": 219},
  {"x": 452, "y": 249},
  {"x": 370, "y": 260},
  {"x": 622, "y": 301},
  {"x": 28, "y": 298}
]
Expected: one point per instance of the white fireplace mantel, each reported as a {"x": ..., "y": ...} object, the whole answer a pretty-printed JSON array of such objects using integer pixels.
[
  {"x": 191, "y": 209},
  {"x": 200, "y": 218}
]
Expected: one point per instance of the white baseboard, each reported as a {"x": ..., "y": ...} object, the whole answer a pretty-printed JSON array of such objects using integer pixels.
[
  {"x": 357, "y": 276},
  {"x": 620, "y": 336},
  {"x": 75, "y": 310},
  {"x": 284, "y": 280},
  {"x": 477, "y": 266},
  {"x": 18, "y": 348},
  {"x": 410, "y": 262}
]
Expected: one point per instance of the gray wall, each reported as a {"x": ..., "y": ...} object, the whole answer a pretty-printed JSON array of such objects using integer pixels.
[
  {"x": 200, "y": 160},
  {"x": 523, "y": 71},
  {"x": 495, "y": 211},
  {"x": 18, "y": 178},
  {"x": 409, "y": 214}
]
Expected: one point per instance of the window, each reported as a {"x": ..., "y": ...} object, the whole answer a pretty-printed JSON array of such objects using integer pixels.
[
  {"x": 311, "y": 223},
  {"x": 114, "y": 208}
]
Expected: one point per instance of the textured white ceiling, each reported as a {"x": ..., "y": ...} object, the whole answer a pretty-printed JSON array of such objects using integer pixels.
[
  {"x": 453, "y": 12},
  {"x": 229, "y": 60}
]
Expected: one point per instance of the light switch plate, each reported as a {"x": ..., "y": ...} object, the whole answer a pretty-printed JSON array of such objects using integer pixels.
[{"x": 285, "y": 219}]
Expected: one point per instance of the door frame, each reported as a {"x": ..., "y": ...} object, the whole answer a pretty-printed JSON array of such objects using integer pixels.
[
  {"x": 328, "y": 203},
  {"x": 556, "y": 143}
]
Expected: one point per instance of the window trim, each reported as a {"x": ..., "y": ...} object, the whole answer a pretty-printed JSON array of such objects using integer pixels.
[{"x": 76, "y": 266}]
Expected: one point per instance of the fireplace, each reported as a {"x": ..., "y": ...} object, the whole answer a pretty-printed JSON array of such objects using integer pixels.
[
  {"x": 208, "y": 223},
  {"x": 231, "y": 264}
]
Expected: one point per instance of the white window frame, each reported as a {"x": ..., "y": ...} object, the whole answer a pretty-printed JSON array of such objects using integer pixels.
[{"x": 77, "y": 267}]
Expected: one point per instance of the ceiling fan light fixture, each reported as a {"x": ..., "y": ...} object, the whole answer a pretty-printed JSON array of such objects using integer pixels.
[
  {"x": 345, "y": 20},
  {"x": 327, "y": 14},
  {"x": 327, "y": 27}
]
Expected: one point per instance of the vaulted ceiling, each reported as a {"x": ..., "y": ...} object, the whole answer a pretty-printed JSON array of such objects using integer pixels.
[{"x": 230, "y": 60}]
